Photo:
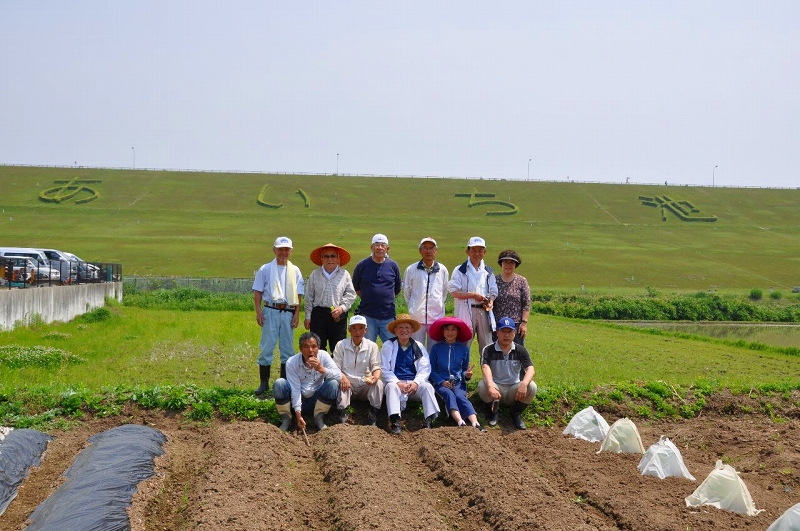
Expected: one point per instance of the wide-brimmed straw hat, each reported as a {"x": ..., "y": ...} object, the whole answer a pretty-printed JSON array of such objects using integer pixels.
[
  {"x": 403, "y": 318},
  {"x": 436, "y": 331},
  {"x": 316, "y": 254}
]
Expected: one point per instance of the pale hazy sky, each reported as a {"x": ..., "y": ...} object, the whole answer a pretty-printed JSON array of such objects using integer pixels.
[{"x": 653, "y": 91}]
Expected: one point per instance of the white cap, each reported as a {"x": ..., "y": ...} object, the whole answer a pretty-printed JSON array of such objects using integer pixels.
[
  {"x": 476, "y": 241},
  {"x": 358, "y": 319},
  {"x": 428, "y": 239},
  {"x": 283, "y": 241},
  {"x": 380, "y": 238}
]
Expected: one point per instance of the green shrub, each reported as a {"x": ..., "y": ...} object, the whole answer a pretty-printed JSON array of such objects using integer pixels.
[
  {"x": 36, "y": 356},
  {"x": 776, "y": 295},
  {"x": 201, "y": 411},
  {"x": 756, "y": 294},
  {"x": 97, "y": 315}
]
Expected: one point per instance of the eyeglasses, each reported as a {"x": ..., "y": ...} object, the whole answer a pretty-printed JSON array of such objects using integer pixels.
[{"x": 326, "y": 256}]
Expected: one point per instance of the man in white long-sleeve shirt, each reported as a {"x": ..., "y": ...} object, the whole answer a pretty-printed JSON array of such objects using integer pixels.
[
  {"x": 425, "y": 290},
  {"x": 311, "y": 384}
]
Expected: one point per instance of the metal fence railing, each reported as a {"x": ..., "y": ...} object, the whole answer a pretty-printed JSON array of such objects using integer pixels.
[
  {"x": 213, "y": 285},
  {"x": 20, "y": 272}
]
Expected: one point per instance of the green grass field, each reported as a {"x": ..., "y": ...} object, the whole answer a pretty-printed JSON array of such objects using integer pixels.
[
  {"x": 211, "y": 224},
  {"x": 569, "y": 234}
]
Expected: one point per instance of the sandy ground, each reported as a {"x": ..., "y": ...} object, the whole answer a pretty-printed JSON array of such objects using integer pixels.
[{"x": 250, "y": 475}]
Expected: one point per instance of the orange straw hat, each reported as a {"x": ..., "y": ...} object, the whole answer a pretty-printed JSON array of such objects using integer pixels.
[
  {"x": 436, "y": 331},
  {"x": 403, "y": 318},
  {"x": 316, "y": 254}
]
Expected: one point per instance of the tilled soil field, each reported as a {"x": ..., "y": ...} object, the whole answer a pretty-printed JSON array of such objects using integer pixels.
[{"x": 250, "y": 475}]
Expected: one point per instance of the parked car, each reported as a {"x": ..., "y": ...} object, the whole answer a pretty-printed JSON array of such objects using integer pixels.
[
  {"x": 86, "y": 271},
  {"x": 59, "y": 260}
]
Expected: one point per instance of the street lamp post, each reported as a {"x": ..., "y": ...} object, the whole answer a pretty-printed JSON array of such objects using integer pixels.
[
  {"x": 134, "y": 157},
  {"x": 337, "y": 164},
  {"x": 529, "y": 169},
  {"x": 712, "y": 175}
]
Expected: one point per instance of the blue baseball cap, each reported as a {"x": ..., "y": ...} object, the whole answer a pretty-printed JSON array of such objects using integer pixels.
[{"x": 506, "y": 322}]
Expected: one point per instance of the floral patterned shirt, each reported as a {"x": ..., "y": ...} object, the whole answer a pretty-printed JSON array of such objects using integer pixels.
[{"x": 513, "y": 298}]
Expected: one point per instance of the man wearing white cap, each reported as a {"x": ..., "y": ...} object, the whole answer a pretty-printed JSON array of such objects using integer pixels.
[
  {"x": 378, "y": 281},
  {"x": 474, "y": 288},
  {"x": 277, "y": 294},
  {"x": 425, "y": 290},
  {"x": 360, "y": 362}
]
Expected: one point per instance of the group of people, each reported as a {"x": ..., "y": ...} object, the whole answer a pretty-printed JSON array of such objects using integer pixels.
[{"x": 423, "y": 353}]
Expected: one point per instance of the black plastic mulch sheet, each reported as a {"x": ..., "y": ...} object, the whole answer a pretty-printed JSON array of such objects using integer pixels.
[
  {"x": 19, "y": 451},
  {"x": 101, "y": 482}
]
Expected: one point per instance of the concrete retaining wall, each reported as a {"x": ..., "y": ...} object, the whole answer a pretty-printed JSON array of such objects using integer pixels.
[{"x": 56, "y": 303}]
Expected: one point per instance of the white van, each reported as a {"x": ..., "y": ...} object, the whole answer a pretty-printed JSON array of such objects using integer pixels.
[{"x": 45, "y": 271}]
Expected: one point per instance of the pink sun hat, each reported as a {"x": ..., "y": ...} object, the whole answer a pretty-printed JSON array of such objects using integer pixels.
[{"x": 437, "y": 334}]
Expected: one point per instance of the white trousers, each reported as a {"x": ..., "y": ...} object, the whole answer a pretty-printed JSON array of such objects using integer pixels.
[{"x": 425, "y": 394}]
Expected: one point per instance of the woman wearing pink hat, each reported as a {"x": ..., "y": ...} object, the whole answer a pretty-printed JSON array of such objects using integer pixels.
[{"x": 450, "y": 368}]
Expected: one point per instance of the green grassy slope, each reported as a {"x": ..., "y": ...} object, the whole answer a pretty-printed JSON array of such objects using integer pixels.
[{"x": 599, "y": 235}]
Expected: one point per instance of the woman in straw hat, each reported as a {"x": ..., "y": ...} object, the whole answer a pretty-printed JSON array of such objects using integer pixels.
[
  {"x": 329, "y": 295},
  {"x": 450, "y": 368}
]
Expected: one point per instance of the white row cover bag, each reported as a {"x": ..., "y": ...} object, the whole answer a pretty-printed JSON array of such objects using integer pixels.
[
  {"x": 788, "y": 521},
  {"x": 587, "y": 424},
  {"x": 623, "y": 437},
  {"x": 724, "y": 489},
  {"x": 663, "y": 459}
]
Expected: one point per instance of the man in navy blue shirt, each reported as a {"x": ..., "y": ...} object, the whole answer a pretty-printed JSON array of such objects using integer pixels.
[{"x": 378, "y": 280}]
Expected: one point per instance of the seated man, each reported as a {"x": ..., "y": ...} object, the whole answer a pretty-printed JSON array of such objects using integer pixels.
[
  {"x": 405, "y": 370},
  {"x": 502, "y": 362},
  {"x": 360, "y": 362},
  {"x": 311, "y": 384}
]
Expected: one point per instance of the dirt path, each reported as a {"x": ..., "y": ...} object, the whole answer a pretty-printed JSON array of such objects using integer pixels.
[{"x": 249, "y": 475}]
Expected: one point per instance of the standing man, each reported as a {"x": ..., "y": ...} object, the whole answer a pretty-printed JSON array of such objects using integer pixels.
[
  {"x": 311, "y": 385},
  {"x": 425, "y": 290},
  {"x": 502, "y": 363},
  {"x": 474, "y": 287},
  {"x": 329, "y": 295},
  {"x": 360, "y": 362},
  {"x": 378, "y": 281},
  {"x": 277, "y": 293}
]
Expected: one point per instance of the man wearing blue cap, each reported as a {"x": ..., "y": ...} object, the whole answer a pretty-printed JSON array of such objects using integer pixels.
[{"x": 502, "y": 362}]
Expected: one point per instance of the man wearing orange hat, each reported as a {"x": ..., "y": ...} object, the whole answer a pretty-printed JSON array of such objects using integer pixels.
[{"x": 329, "y": 295}]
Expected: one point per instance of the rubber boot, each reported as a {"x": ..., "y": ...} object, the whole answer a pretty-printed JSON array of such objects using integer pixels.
[
  {"x": 263, "y": 374},
  {"x": 428, "y": 422},
  {"x": 320, "y": 409},
  {"x": 342, "y": 416},
  {"x": 492, "y": 413},
  {"x": 372, "y": 416},
  {"x": 394, "y": 425},
  {"x": 516, "y": 415},
  {"x": 283, "y": 370},
  {"x": 285, "y": 411}
]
